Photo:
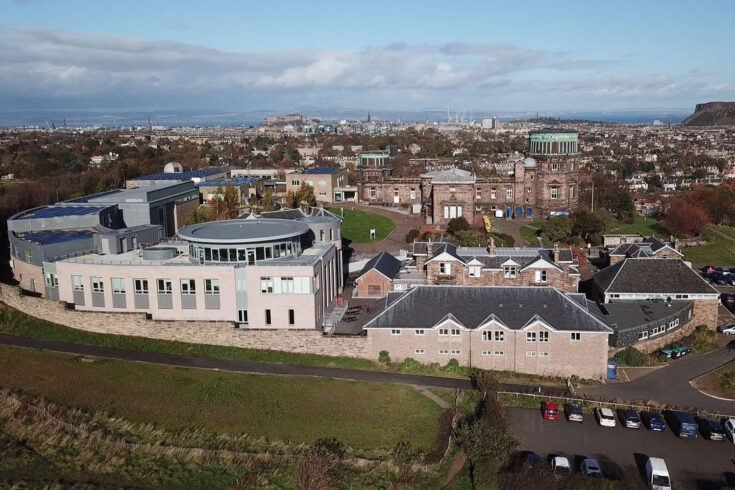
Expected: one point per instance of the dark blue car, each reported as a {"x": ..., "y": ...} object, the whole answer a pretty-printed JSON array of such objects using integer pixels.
[
  {"x": 653, "y": 421},
  {"x": 720, "y": 278},
  {"x": 683, "y": 424}
]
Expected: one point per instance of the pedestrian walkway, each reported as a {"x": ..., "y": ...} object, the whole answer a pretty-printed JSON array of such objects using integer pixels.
[{"x": 393, "y": 243}]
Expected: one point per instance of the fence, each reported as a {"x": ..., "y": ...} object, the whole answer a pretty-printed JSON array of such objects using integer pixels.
[{"x": 615, "y": 405}]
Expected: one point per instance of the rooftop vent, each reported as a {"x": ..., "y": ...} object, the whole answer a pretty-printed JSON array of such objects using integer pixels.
[{"x": 159, "y": 253}]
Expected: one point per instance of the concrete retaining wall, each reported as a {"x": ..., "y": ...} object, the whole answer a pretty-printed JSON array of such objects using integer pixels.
[{"x": 216, "y": 333}]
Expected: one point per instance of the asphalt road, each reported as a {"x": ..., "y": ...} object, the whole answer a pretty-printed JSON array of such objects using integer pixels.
[
  {"x": 670, "y": 384},
  {"x": 696, "y": 463},
  {"x": 235, "y": 365}
]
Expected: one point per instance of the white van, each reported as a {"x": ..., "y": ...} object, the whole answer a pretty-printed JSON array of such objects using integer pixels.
[{"x": 657, "y": 475}]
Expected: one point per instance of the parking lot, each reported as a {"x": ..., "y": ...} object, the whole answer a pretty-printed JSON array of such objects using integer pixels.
[{"x": 696, "y": 463}]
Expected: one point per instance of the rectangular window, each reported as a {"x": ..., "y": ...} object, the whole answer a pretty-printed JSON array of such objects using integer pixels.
[
  {"x": 455, "y": 332},
  {"x": 555, "y": 193},
  {"x": 29, "y": 257},
  {"x": 478, "y": 193},
  {"x": 575, "y": 336},
  {"x": 494, "y": 193},
  {"x": 487, "y": 353},
  {"x": 510, "y": 271},
  {"x": 543, "y": 354},
  {"x": 242, "y": 316},
  {"x": 211, "y": 286},
  {"x": 268, "y": 317},
  {"x": 456, "y": 352},
  {"x": 51, "y": 280},
  {"x": 77, "y": 283},
  {"x": 266, "y": 285},
  {"x": 530, "y": 336},
  {"x": 487, "y": 336},
  {"x": 118, "y": 285},
  {"x": 499, "y": 336},
  {"x": 571, "y": 192},
  {"x": 509, "y": 193},
  {"x": 543, "y": 336},
  {"x": 643, "y": 335},
  {"x": 445, "y": 268},
  {"x": 420, "y": 332},
  {"x": 554, "y": 166},
  {"x": 443, "y": 332},
  {"x": 97, "y": 285},
  {"x": 295, "y": 182},
  {"x": 372, "y": 193},
  {"x": 499, "y": 353},
  {"x": 540, "y": 276},
  {"x": 287, "y": 285},
  {"x": 291, "y": 317},
  {"x": 188, "y": 286},
  {"x": 413, "y": 193},
  {"x": 475, "y": 270},
  {"x": 419, "y": 352},
  {"x": 443, "y": 351},
  {"x": 530, "y": 353},
  {"x": 141, "y": 286},
  {"x": 395, "y": 331},
  {"x": 165, "y": 286}
]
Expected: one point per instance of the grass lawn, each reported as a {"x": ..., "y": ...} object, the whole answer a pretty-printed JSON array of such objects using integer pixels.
[
  {"x": 357, "y": 224},
  {"x": 641, "y": 224},
  {"x": 720, "y": 382},
  {"x": 718, "y": 251},
  {"x": 13, "y": 322},
  {"x": 728, "y": 231},
  {"x": 528, "y": 232},
  {"x": 300, "y": 409}
]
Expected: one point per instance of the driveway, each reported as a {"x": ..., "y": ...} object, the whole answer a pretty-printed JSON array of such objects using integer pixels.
[
  {"x": 670, "y": 384},
  {"x": 697, "y": 463}
]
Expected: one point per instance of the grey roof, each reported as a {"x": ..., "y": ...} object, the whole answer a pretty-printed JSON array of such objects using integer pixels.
[
  {"x": 384, "y": 263},
  {"x": 473, "y": 306},
  {"x": 251, "y": 230},
  {"x": 283, "y": 214},
  {"x": 452, "y": 175},
  {"x": 648, "y": 275},
  {"x": 622, "y": 315},
  {"x": 445, "y": 247},
  {"x": 645, "y": 248}
]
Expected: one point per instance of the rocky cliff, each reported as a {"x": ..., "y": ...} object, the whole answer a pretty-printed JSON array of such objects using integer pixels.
[{"x": 712, "y": 114}]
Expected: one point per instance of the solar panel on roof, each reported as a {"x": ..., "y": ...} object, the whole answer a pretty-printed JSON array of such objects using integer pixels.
[
  {"x": 50, "y": 237},
  {"x": 180, "y": 175},
  {"x": 57, "y": 211}
]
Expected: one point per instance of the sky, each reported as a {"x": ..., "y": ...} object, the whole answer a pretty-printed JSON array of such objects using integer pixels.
[{"x": 479, "y": 55}]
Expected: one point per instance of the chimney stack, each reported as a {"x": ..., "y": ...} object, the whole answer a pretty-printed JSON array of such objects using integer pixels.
[
  {"x": 428, "y": 248},
  {"x": 556, "y": 253},
  {"x": 491, "y": 248}
]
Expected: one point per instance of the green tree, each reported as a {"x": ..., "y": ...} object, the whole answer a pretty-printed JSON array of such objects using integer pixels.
[
  {"x": 587, "y": 225},
  {"x": 231, "y": 202},
  {"x": 557, "y": 229},
  {"x": 304, "y": 194},
  {"x": 201, "y": 214},
  {"x": 625, "y": 211},
  {"x": 268, "y": 203},
  {"x": 457, "y": 224}
]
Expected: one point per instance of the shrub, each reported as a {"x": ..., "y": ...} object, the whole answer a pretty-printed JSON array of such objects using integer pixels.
[
  {"x": 409, "y": 365},
  {"x": 384, "y": 357},
  {"x": 630, "y": 356},
  {"x": 412, "y": 235},
  {"x": 402, "y": 454},
  {"x": 314, "y": 471},
  {"x": 331, "y": 446},
  {"x": 457, "y": 224},
  {"x": 453, "y": 366},
  {"x": 427, "y": 236},
  {"x": 505, "y": 240}
]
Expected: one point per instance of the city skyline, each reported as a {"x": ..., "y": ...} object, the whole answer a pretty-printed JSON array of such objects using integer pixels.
[{"x": 411, "y": 56}]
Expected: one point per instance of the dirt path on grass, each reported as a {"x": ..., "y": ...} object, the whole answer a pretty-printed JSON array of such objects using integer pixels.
[
  {"x": 457, "y": 464},
  {"x": 396, "y": 240},
  {"x": 431, "y": 396}
]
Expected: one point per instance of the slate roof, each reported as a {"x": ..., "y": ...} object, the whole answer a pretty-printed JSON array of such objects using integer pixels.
[
  {"x": 446, "y": 247},
  {"x": 472, "y": 306},
  {"x": 384, "y": 263},
  {"x": 647, "y": 275},
  {"x": 646, "y": 248}
]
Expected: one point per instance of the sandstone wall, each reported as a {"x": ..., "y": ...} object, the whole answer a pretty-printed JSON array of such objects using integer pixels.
[{"x": 217, "y": 333}]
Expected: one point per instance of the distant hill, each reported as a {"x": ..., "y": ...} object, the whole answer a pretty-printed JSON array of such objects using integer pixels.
[{"x": 712, "y": 114}]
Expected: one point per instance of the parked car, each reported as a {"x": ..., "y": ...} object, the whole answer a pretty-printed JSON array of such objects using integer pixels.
[
  {"x": 560, "y": 467},
  {"x": 707, "y": 270},
  {"x": 681, "y": 351},
  {"x": 653, "y": 421},
  {"x": 730, "y": 279},
  {"x": 531, "y": 460},
  {"x": 573, "y": 412},
  {"x": 550, "y": 410},
  {"x": 683, "y": 424},
  {"x": 629, "y": 419},
  {"x": 712, "y": 429},
  {"x": 719, "y": 278},
  {"x": 591, "y": 468},
  {"x": 657, "y": 474},
  {"x": 728, "y": 329},
  {"x": 605, "y": 417},
  {"x": 729, "y": 427}
]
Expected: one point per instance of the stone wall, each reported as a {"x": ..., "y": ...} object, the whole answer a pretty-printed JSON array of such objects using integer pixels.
[{"x": 197, "y": 332}]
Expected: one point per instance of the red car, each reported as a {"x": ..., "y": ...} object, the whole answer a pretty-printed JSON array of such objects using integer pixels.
[{"x": 550, "y": 410}]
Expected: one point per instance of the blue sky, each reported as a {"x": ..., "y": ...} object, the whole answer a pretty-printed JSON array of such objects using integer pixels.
[{"x": 405, "y": 55}]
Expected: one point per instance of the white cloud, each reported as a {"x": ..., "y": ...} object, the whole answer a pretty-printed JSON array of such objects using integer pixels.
[{"x": 50, "y": 65}]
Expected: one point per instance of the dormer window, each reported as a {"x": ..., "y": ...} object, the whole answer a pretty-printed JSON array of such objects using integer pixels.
[
  {"x": 510, "y": 271},
  {"x": 475, "y": 270},
  {"x": 445, "y": 268}
]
